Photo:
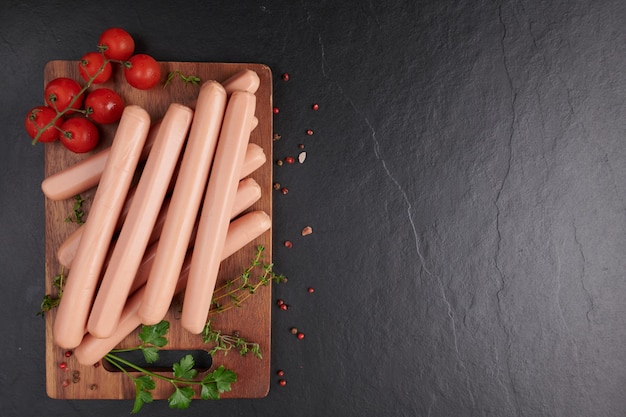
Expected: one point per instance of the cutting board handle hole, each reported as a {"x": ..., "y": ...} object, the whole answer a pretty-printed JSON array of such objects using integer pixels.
[{"x": 167, "y": 358}]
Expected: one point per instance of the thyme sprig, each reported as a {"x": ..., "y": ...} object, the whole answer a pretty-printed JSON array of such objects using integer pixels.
[
  {"x": 187, "y": 79},
  {"x": 77, "y": 211},
  {"x": 235, "y": 291},
  {"x": 226, "y": 342},
  {"x": 51, "y": 301}
]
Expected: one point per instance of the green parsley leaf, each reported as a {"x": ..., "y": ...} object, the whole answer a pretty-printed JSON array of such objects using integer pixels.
[
  {"x": 154, "y": 335},
  {"x": 222, "y": 377},
  {"x": 150, "y": 354},
  {"x": 181, "y": 397},
  {"x": 184, "y": 368},
  {"x": 143, "y": 385},
  {"x": 209, "y": 391}
]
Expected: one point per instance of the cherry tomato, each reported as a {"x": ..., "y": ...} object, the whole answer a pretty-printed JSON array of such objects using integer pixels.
[
  {"x": 90, "y": 64},
  {"x": 37, "y": 118},
  {"x": 104, "y": 106},
  {"x": 142, "y": 72},
  {"x": 116, "y": 43},
  {"x": 61, "y": 91},
  {"x": 79, "y": 135}
]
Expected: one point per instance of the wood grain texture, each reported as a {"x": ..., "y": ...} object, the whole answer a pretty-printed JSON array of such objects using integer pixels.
[{"x": 252, "y": 321}]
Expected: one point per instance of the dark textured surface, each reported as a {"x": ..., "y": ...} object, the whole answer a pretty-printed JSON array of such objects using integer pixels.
[{"x": 465, "y": 184}]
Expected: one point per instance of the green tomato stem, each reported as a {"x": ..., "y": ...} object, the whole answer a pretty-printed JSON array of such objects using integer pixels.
[{"x": 60, "y": 114}]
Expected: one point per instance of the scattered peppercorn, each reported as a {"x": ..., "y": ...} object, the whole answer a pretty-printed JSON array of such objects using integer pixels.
[
  {"x": 300, "y": 335},
  {"x": 285, "y": 77},
  {"x": 279, "y": 162},
  {"x": 63, "y": 365},
  {"x": 284, "y": 307},
  {"x": 309, "y": 132},
  {"x": 68, "y": 353},
  {"x": 288, "y": 244},
  {"x": 284, "y": 190},
  {"x": 282, "y": 382},
  {"x": 290, "y": 159},
  {"x": 301, "y": 146},
  {"x": 311, "y": 290},
  {"x": 66, "y": 383},
  {"x": 93, "y": 387},
  {"x": 275, "y": 110},
  {"x": 315, "y": 107},
  {"x": 276, "y": 136},
  {"x": 280, "y": 302},
  {"x": 294, "y": 330},
  {"x": 280, "y": 372},
  {"x": 96, "y": 365},
  {"x": 277, "y": 186}
]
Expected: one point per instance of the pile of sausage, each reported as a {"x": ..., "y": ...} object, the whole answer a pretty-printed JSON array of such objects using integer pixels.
[{"x": 201, "y": 163}]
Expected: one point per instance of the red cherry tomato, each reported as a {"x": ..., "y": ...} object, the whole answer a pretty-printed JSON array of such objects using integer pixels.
[
  {"x": 116, "y": 43},
  {"x": 104, "y": 106},
  {"x": 79, "y": 135},
  {"x": 37, "y": 118},
  {"x": 90, "y": 64},
  {"x": 60, "y": 92},
  {"x": 142, "y": 71}
]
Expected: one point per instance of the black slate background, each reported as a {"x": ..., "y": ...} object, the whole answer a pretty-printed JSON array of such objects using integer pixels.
[{"x": 465, "y": 184}]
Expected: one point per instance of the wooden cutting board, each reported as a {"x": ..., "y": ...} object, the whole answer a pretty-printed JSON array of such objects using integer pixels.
[{"x": 252, "y": 320}]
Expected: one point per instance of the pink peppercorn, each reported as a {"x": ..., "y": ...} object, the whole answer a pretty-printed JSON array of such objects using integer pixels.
[
  {"x": 284, "y": 190},
  {"x": 300, "y": 335},
  {"x": 290, "y": 159},
  {"x": 309, "y": 132},
  {"x": 288, "y": 244},
  {"x": 285, "y": 77},
  {"x": 282, "y": 382},
  {"x": 315, "y": 107},
  {"x": 275, "y": 110}
]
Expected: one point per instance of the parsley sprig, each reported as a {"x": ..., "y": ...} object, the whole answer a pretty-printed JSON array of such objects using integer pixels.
[{"x": 183, "y": 377}]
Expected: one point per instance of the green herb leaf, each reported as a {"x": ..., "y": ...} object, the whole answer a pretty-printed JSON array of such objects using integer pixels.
[
  {"x": 209, "y": 391},
  {"x": 154, "y": 335},
  {"x": 181, "y": 397},
  {"x": 150, "y": 354},
  {"x": 184, "y": 368},
  {"x": 222, "y": 377},
  {"x": 187, "y": 79},
  {"x": 143, "y": 385},
  {"x": 77, "y": 210},
  {"x": 146, "y": 382},
  {"x": 49, "y": 302}
]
